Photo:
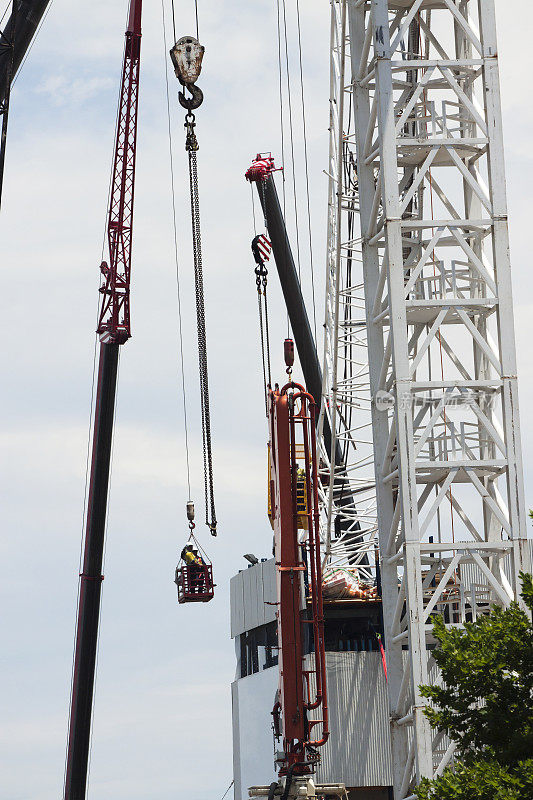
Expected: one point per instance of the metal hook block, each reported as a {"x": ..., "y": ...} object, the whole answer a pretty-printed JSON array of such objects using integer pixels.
[{"x": 186, "y": 56}]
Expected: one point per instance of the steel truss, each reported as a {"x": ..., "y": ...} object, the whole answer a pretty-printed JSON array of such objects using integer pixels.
[
  {"x": 430, "y": 184},
  {"x": 348, "y": 494}
]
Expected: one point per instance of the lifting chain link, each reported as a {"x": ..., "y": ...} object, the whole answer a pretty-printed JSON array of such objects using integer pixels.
[{"x": 192, "y": 147}]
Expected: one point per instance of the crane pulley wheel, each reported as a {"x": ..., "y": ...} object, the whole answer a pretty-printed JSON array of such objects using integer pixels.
[{"x": 186, "y": 56}]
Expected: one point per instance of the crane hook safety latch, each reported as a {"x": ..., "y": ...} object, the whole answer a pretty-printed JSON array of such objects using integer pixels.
[{"x": 186, "y": 57}]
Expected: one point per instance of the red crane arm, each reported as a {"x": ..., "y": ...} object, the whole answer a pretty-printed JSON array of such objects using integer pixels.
[
  {"x": 114, "y": 319},
  {"x": 114, "y": 330},
  {"x": 294, "y": 473}
]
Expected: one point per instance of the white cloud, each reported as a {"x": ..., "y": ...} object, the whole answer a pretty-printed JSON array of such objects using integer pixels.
[{"x": 59, "y": 90}]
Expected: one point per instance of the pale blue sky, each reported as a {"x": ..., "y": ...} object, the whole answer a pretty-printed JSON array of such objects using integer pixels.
[{"x": 162, "y": 723}]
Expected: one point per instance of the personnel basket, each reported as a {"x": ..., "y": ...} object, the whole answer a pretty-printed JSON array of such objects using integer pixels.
[{"x": 195, "y": 581}]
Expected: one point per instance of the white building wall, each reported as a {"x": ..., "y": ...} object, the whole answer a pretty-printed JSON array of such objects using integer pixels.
[
  {"x": 253, "y": 597},
  {"x": 253, "y": 751}
]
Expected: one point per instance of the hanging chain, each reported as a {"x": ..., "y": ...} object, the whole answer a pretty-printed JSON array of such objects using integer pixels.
[
  {"x": 261, "y": 281},
  {"x": 261, "y": 248},
  {"x": 191, "y": 146}
]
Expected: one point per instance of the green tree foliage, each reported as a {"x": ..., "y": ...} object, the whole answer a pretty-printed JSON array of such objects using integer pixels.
[
  {"x": 486, "y": 705},
  {"x": 482, "y": 779}
]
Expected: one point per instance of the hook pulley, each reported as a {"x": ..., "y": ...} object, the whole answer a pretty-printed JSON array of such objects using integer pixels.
[
  {"x": 190, "y": 515},
  {"x": 186, "y": 56}
]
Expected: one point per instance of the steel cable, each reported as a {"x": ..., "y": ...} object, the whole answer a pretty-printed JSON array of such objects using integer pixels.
[
  {"x": 260, "y": 307},
  {"x": 176, "y": 259},
  {"x": 264, "y": 333}
]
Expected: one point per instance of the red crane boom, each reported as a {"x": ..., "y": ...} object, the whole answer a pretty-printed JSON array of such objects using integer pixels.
[
  {"x": 114, "y": 330},
  {"x": 114, "y": 320}
]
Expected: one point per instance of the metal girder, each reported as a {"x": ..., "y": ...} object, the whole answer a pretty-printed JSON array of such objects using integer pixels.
[
  {"x": 114, "y": 319},
  {"x": 430, "y": 264},
  {"x": 19, "y": 31},
  {"x": 114, "y": 330},
  {"x": 91, "y": 578},
  {"x": 15, "y": 40},
  {"x": 349, "y": 530}
]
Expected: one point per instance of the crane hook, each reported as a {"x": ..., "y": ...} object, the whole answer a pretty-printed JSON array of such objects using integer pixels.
[
  {"x": 186, "y": 56},
  {"x": 191, "y": 103}
]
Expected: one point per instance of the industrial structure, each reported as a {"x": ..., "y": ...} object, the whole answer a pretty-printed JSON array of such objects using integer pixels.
[
  {"x": 419, "y": 389},
  {"x": 15, "y": 40},
  {"x": 357, "y": 751},
  {"x": 114, "y": 329},
  {"x": 427, "y": 134},
  {"x": 395, "y": 488}
]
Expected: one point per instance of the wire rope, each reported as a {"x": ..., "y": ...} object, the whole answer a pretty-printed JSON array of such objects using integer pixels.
[
  {"x": 4, "y": 15},
  {"x": 87, "y": 462},
  {"x": 291, "y": 137},
  {"x": 282, "y": 128},
  {"x": 97, "y": 655},
  {"x": 28, "y": 51},
  {"x": 306, "y": 166},
  {"x": 173, "y": 28},
  {"x": 176, "y": 255},
  {"x": 86, "y": 486},
  {"x": 196, "y": 15},
  {"x": 261, "y": 332},
  {"x": 91, "y": 418},
  {"x": 253, "y": 208},
  {"x": 261, "y": 279},
  {"x": 227, "y": 790},
  {"x": 281, "y": 123}
]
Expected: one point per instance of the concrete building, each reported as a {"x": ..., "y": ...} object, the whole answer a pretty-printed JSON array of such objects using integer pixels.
[{"x": 358, "y": 751}]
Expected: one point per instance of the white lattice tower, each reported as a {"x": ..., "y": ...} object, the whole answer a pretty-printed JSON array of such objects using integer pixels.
[
  {"x": 349, "y": 495},
  {"x": 440, "y": 335}
]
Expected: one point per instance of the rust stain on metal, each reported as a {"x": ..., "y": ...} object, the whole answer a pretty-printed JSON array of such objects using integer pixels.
[{"x": 186, "y": 57}]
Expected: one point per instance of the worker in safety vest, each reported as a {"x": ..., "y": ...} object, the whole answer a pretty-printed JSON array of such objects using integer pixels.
[{"x": 196, "y": 565}]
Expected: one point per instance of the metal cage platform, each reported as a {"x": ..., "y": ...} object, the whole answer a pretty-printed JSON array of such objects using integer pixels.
[{"x": 195, "y": 583}]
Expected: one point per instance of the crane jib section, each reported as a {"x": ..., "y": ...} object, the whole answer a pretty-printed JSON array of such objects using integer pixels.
[
  {"x": 293, "y": 471},
  {"x": 114, "y": 330},
  {"x": 114, "y": 319}
]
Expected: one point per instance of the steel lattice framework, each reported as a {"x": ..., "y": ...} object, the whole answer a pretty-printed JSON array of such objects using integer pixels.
[
  {"x": 114, "y": 320},
  {"x": 348, "y": 495},
  {"x": 435, "y": 283}
]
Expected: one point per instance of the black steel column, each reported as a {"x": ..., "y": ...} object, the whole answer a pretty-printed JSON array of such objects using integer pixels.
[
  {"x": 15, "y": 40},
  {"x": 294, "y": 300},
  {"x": 290, "y": 285},
  {"x": 20, "y": 29},
  {"x": 91, "y": 578},
  {"x": 303, "y": 335},
  {"x": 7, "y": 51}
]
